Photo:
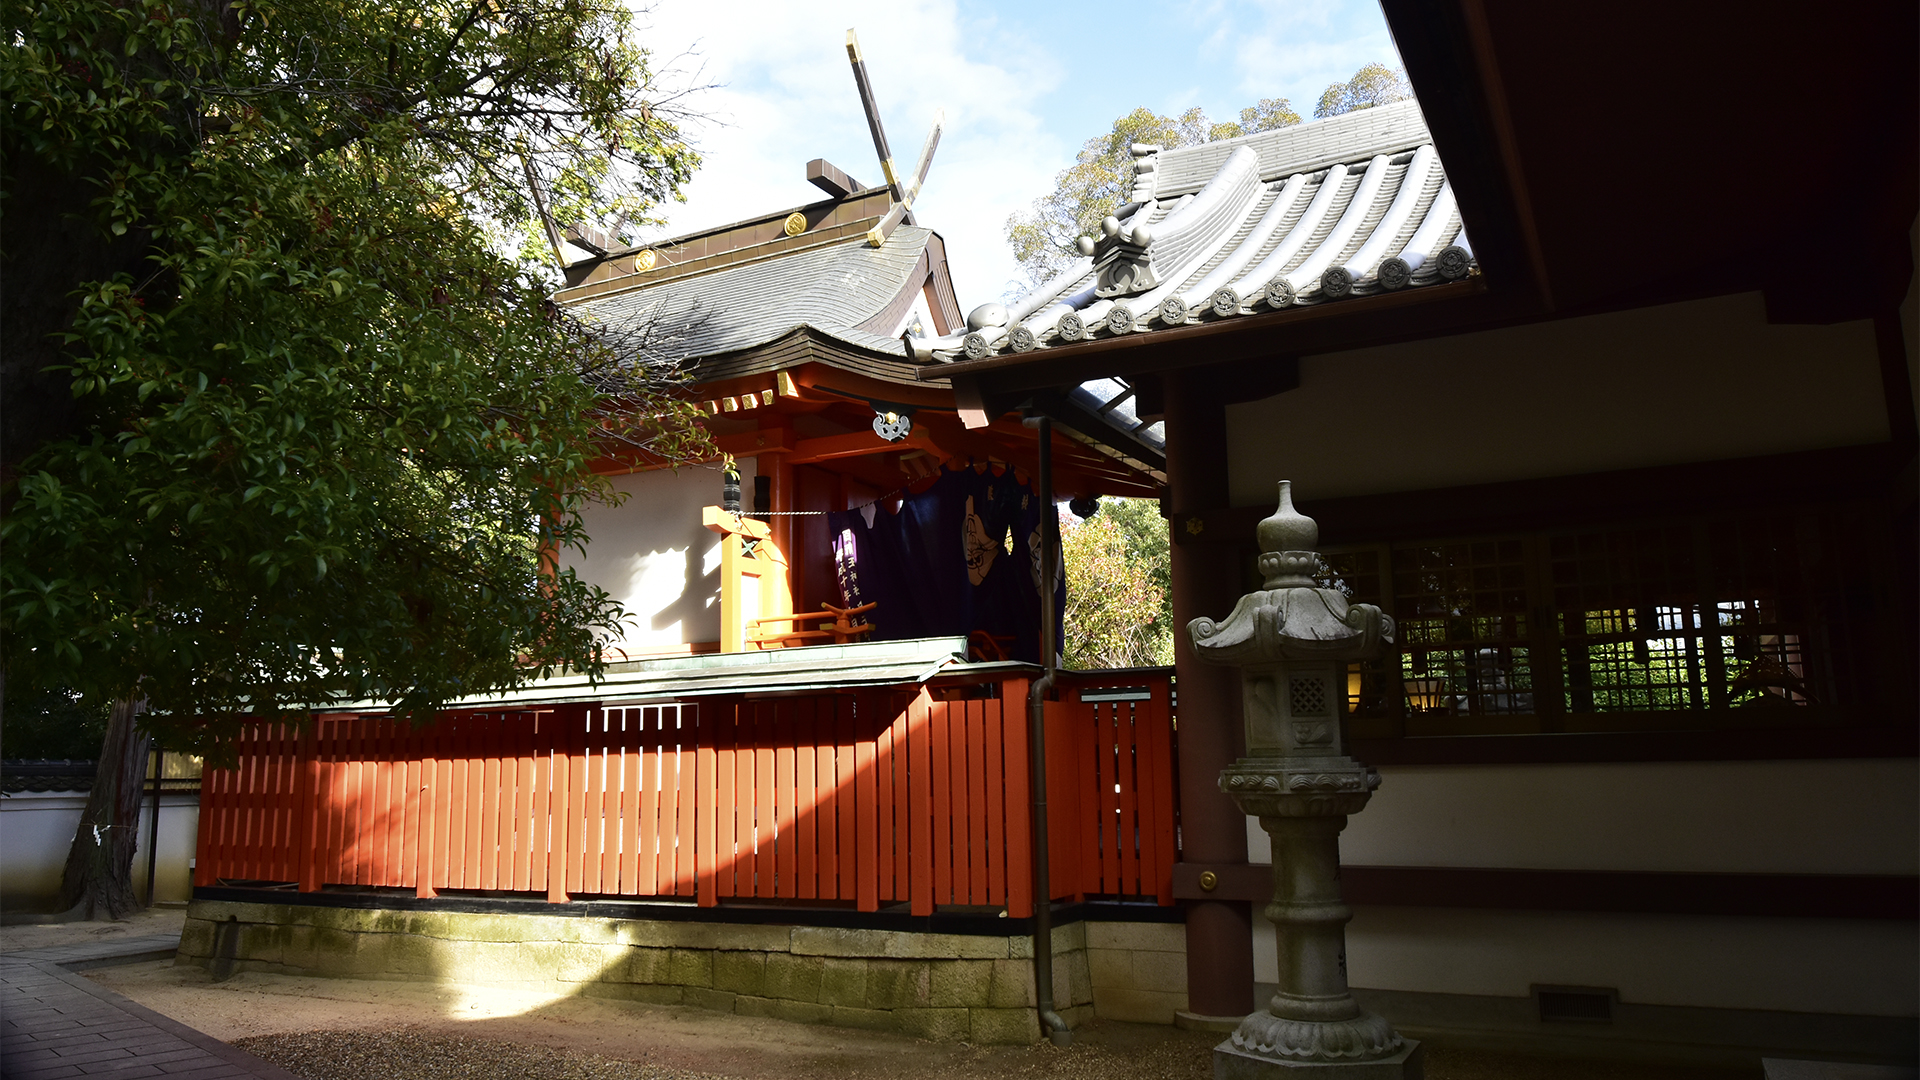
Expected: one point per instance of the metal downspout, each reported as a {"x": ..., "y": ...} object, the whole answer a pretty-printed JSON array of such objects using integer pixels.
[{"x": 1051, "y": 1022}]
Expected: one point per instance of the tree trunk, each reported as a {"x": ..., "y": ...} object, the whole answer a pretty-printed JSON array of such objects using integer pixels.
[{"x": 100, "y": 862}]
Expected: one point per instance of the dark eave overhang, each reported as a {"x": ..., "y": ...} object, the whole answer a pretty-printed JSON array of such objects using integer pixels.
[
  {"x": 1290, "y": 333},
  {"x": 1593, "y": 178}
]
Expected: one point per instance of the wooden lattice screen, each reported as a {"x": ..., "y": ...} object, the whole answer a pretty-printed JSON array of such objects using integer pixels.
[{"x": 918, "y": 796}]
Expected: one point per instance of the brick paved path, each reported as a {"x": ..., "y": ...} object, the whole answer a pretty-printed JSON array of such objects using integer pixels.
[{"x": 54, "y": 1023}]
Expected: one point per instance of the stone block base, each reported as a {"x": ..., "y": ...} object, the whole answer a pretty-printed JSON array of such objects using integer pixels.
[
  {"x": 953, "y": 987},
  {"x": 1231, "y": 1063}
]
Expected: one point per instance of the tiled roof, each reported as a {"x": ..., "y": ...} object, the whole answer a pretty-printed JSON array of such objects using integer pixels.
[
  {"x": 832, "y": 288},
  {"x": 45, "y": 776},
  {"x": 1348, "y": 206}
]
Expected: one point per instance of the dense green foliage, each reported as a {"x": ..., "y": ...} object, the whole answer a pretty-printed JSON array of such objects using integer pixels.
[
  {"x": 50, "y": 725},
  {"x": 1096, "y": 183},
  {"x": 1373, "y": 84},
  {"x": 326, "y": 431},
  {"x": 1119, "y": 587}
]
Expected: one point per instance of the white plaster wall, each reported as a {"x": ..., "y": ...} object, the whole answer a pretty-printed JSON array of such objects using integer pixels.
[
  {"x": 174, "y": 854},
  {"x": 36, "y": 830},
  {"x": 1862, "y": 967},
  {"x": 1814, "y": 817},
  {"x": 1697, "y": 381},
  {"x": 654, "y": 556},
  {"x": 1803, "y": 817}
]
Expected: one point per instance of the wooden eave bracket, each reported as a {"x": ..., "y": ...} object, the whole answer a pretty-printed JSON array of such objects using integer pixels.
[{"x": 971, "y": 402}]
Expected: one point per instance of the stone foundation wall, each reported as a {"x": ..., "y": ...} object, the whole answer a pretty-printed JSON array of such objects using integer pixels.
[
  {"x": 1138, "y": 970},
  {"x": 951, "y": 987}
]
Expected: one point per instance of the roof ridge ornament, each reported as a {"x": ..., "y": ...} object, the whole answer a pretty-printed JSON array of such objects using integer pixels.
[
  {"x": 1120, "y": 256},
  {"x": 1146, "y": 172}
]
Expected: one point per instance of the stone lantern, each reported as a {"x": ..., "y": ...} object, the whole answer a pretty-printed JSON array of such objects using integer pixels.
[{"x": 1292, "y": 642}]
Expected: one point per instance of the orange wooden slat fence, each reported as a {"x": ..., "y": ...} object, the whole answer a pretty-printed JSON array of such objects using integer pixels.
[{"x": 918, "y": 795}]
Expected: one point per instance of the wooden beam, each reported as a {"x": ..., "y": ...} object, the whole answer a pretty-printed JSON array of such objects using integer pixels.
[
  {"x": 971, "y": 403},
  {"x": 926, "y": 158},
  {"x": 771, "y": 440},
  {"x": 593, "y": 238},
  {"x": 883, "y": 229},
  {"x": 824, "y": 175},
  {"x": 855, "y": 444},
  {"x": 872, "y": 109}
]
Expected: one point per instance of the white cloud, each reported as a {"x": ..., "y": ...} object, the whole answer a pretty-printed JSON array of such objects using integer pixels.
[
  {"x": 1023, "y": 85},
  {"x": 1281, "y": 48},
  {"x": 787, "y": 95}
]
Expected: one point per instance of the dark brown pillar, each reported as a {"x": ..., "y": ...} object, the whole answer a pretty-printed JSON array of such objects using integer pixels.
[{"x": 1206, "y": 581}]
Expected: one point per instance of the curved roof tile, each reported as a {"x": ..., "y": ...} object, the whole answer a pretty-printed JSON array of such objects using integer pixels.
[
  {"x": 1348, "y": 206},
  {"x": 832, "y": 289}
]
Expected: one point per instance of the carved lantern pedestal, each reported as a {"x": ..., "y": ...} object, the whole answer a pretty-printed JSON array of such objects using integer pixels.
[{"x": 1293, "y": 642}]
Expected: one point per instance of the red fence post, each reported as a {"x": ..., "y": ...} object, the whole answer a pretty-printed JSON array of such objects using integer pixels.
[
  {"x": 1160, "y": 824},
  {"x": 698, "y": 818},
  {"x": 867, "y": 831},
  {"x": 1017, "y": 795},
  {"x": 560, "y": 805},
  {"x": 422, "y": 799},
  {"x": 307, "y": 782},
  {"x": 1072, "y": 802},
  {"x": 920, "y": 881}
]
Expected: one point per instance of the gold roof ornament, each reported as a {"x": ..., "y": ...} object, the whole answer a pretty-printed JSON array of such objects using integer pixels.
[
  {"x": 796, "y": 223},
  {"x": 645, "y": 260}
]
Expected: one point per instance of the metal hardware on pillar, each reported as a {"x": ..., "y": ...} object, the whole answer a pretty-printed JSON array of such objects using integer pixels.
[
  {"x": 1051, "y": 1021},
  {"x": 1292, "y": 642}
]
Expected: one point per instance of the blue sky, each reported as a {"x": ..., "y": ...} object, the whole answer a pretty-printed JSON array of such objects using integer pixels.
[{"x": 1023, "y": 85}]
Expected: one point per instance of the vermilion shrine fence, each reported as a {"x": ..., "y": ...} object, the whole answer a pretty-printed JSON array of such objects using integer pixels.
[{"x": 918, "y": 794}]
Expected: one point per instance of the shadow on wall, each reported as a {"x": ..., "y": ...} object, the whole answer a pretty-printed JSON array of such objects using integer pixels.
[
  {"x": 652, "y": 554},
  {"x": 699, "y": 603}
]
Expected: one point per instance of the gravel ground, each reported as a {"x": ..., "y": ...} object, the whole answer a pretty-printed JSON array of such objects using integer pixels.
[
  {"x": 325, "y": 1029},
  {"x": 414, "y": 1054},
  {"x": 407, "y": 1055}
]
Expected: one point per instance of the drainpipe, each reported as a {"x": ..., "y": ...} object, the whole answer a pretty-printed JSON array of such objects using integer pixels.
[
  {"x": 1051, "y": 1022},
  {"x": 153, "y": 823}
]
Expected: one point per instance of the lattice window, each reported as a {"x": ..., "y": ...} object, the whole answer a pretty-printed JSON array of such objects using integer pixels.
[
  {"x": 1307, "y": 696},
  {"x": 1464, "y": 628},
  {"x": 1695, "y": 615},
  {"x": 1680, "y": 617}
]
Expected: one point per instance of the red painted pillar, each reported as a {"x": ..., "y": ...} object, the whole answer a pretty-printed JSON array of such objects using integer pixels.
[{"x": 1207, "y": 581}]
